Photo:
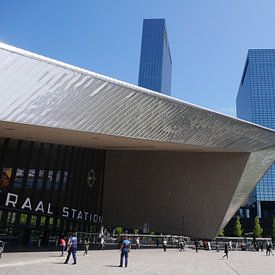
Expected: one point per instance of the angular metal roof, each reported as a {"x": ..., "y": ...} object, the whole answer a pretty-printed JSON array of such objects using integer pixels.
[
  {"x": 39, "y": 91},
  {"x": 50, "y": 101}
]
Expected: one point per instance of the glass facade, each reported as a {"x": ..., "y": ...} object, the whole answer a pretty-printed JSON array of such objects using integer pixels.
[
  {"x": 155, "y": 67},
  {"x": 256, "y": 103},
  {"x": 48, "y": 190}
]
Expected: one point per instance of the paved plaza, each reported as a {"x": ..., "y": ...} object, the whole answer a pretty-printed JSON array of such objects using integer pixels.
[{"x": 144, "y": 261}]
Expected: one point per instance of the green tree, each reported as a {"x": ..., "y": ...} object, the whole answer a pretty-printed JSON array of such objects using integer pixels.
[
  {"x": 238, "y": 228},
  {"x": 136, "y": 231},
  {"x": 221, "y": 233},
  {"x": 258, "y": 230},
  {"x": 119, "y": 230},
  {"x": 273, "y": 229}
]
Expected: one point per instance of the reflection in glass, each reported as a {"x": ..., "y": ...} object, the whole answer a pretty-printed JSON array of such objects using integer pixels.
[
  {"x": 13, "y": 217},
  {"x": 30, "y": 179},
  {"x": 42, "y": 221},
  {"x": 18, "y": 178},
  {"x": 33, "y": 220},
  {"x": 23, "y": 218},
  {"x": 5, "y": 179},
  {"x": 49, "y": 179},
  {"x": 57, "y": 180},
  {"x": 51, "y": 223},
  {"x": 40, "y": 179},
  {"x": 65, "y": 181}
]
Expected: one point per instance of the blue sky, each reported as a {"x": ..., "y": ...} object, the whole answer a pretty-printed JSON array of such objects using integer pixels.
[{"x": 208, "y": 39}]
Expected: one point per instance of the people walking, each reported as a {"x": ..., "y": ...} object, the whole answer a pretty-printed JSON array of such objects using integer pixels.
[
  {"x": 72, "y": 248},
  {"x": 209, "y": 246},
  {"x": 181, "y": 245},
  {"x": 225, "y": 251},
  {"x": 164, "y": 244},
  {"x": 269, "y": 249},
  {"x": 86, "y": 246},
  {"x": 2, "y": 246},
  {"x": 196, "y": 245},
  {"x": 125, "y": 250},
  {"x": 217, "y": 247},
  {"x": 102, "y": 243},
  {"x": 237, "y": 245},
  {"x": 138, "y": 242},
  {"x": 62, "y": 244},
  {"x": 230, "y": 245},
  {"x": 267, "y": 253}
]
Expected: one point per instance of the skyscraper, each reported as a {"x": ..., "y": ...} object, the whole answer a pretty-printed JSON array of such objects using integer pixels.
[
  {"x": 256, "y": 103},
  {"x": 155, "y": 59}
]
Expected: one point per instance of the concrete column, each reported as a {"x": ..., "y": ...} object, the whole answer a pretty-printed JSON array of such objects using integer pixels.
[{"x": 259, "y": 209}]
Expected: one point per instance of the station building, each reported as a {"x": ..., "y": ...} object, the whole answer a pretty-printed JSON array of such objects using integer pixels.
[{"x": 80, "y": 150}]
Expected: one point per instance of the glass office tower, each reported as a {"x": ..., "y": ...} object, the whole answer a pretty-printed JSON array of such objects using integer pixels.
[
  {"x": 256, "y": 103},
  {"x": 155, "y": 67}
]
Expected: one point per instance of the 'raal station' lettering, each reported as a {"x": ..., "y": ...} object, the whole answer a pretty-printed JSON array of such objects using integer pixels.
[{"x": 41, "y": 207}]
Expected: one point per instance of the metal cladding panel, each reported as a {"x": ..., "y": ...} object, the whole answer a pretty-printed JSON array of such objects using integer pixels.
[
  {"x": 258, "y": 163},
  {"x": 175, "y": 192},
  {"x": 42, "y": 93},
  {"x": 39, "y": 91}
]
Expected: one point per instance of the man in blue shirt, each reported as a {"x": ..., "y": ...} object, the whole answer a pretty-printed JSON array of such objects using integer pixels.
[
  {"x": 72, "y": 244},
  {"x": 125, "y": 250}
]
